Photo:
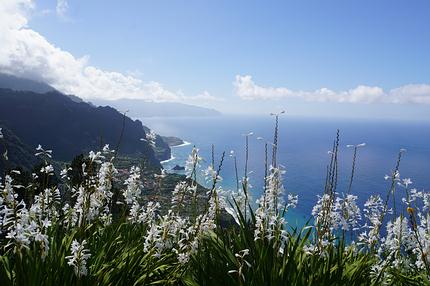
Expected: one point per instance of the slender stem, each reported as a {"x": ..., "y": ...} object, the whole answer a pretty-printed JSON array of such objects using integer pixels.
[
  {"x": 275, "y": 141},
  {"x": 237, "y": 174},
  {"x": 213, "y": 156},
  {"x": 245, "y": 179},
  {"x": 389, "y": 192},
  {"x": 265, "y": 173},
  {"x": 354, "y": 158},
  {"x": 246, "y": 159}
]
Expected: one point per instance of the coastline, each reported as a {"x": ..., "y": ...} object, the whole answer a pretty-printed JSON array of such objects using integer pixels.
[
  {"x": 168, "y": 160},
  {"x": 172, "y": 157},
  {"x": 186, "y": 143}
]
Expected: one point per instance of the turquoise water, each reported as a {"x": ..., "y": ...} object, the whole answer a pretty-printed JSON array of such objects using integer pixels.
[{"x": 303, "y": 146}]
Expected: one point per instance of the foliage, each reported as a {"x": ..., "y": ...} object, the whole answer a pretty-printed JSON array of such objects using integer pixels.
[{"x": 94, "y": 228}]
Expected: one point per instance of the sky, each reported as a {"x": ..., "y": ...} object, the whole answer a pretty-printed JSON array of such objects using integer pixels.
[{"x": 364, "y": 59}]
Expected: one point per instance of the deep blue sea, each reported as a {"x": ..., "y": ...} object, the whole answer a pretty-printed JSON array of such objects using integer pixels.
[{"x": 303, "y": 146}]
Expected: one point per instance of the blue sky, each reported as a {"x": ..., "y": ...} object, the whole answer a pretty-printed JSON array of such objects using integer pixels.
[{"x": 194, "y": 52}]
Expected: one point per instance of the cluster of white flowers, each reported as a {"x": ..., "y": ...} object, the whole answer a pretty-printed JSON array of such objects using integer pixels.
[
  {"x": 91, "y": 202},
  {"x": 143, "y": 215},
  {"x": 172, "y": 232},
  {"x": 405, "y": 245},
  {"x": 350, "y": 214},
  {"x": 241, "y": 263},
  {"x": 79, "y": 258},
  {"x": 211, "y": 175},
  {"x": 373, "y": 209},
  {"x": 42, "y": 152},
  {"x": 134, "y": 186},
  {"x": 407, "y": 241},
  {"x": 179, "y": 195},
  {"x": 269, "y": 216},
  {"x": 151, "y": 138},
  {"x": 94, "y": 195},
  {"x": 192, "y": 163},
  {"x": 23, "y": 225},
  {"x": 49, "y": 170},
  {"x": 326, "y": 216},
  {"x": 399, "y": 242}
]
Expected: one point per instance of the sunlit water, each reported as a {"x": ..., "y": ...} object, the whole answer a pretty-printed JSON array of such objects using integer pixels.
[{"x": 303, "y": 146}]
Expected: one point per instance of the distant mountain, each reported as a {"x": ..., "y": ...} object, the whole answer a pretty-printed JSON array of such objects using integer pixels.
[
  {"x": 18, "y": 153},
  {"x": 69, "y": 128},
  {"x": 139, "y": 108},
  {"x": 16, "y": 83},
  {"x": 136, "y": 108}
]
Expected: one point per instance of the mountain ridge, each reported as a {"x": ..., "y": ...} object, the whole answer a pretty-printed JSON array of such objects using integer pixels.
[
  {"x": 137, "y": 108},
  {"x": 71, "y": 128}
]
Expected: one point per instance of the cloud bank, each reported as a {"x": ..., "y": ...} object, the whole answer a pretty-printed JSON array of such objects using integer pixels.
[
  {"x": 247, "y": 89},
  {"x": 26, "y": 53}
]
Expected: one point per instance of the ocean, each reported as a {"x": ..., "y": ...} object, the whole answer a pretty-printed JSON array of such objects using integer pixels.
[{"x": 303, "y": 146}]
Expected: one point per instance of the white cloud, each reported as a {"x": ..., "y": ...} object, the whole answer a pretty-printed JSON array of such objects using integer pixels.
[
  {"x": 412, "y": 93},
  {"x": 14, "y": 13},
  {"x": 26, "y": 53},
  {"x": 247, "y": 89},
  {"x": 205, "y": 96},
  {"x": 62, "y": 7}
]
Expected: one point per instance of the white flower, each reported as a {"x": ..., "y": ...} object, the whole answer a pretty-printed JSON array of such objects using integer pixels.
[
  {"x": 241, "y": 262},
  {"x": 395, "y": 176},
  {"x": 248, "y": 134},
  {"x": 43, "y": 152},
  {"x": 356, "y": 146},
  {"x": 192, "y": 163},
  {"x": 275, "y": 189},
  {"x": 327, "y": 218},
  {"x": 79, "y": 257},
  {"x": 211, "y": 175},
  {"x": 399, "y": 239},
  {"x": 292, "y": 201},
  {"x": 268, "y": 220},
  {"x": 151, "y": 138},
  {"x": 373, "y": 209},
  {"x": 49, "y": 169},
  {"x": 134, "y": 186},
  {"x": 95, "y": 157},
  {"x": 46, "y": 223},
  {"x": 105, "y": 176},
  {"x": 407, "y": 182},
  {"x": 161, "y": 176},
  {"x": 178, "y": 195},
  {"x": 183, "y": 258},
  {"x": 107, "y": 150},
  {"x": 63, "y": 173},
  {"x": 350, "y": 214}
]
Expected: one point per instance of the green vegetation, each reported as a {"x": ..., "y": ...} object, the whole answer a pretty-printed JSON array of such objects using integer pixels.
[{"x": 96, "y": 228}]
